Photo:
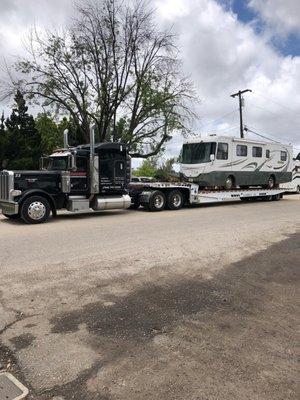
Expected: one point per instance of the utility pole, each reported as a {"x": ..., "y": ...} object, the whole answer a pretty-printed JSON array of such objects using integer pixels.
[{"x": 241, "y": 105}]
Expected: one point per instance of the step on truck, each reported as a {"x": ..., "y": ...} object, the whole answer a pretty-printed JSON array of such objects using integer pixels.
[{"x": 97, "y": 177}]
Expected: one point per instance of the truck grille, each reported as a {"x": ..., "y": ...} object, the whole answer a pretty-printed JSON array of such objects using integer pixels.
[{"x": 6, "y": 184}]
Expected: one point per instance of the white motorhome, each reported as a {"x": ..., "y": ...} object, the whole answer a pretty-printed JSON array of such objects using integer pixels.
[
  {"x": 294, "y": 185},
  {"x": 228, "y": 162}
]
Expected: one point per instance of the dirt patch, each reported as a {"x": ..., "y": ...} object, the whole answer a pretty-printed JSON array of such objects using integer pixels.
[
  {"x": 246, "y": 305},
  {"x": 22, "y": 341}
]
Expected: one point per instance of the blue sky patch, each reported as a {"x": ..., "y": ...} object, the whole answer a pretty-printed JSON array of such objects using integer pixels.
[{"x": 287, "y": 46}]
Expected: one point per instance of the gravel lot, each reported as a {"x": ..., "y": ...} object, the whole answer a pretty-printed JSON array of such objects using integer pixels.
[{"x": 198, "y": 304}]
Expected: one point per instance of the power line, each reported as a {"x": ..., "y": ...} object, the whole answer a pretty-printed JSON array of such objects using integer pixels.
[
  {"x": 219, "y": 118},
  {"x": 258, "y": 134},
  {"x": 273, "y": 101}
]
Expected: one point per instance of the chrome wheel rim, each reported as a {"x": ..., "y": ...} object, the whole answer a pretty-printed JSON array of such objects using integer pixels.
[
  {"x": 177, "y": 200},
  {"x": 228, "y": 183},
  {"x": 36, "y": 210},
  {"x": 159, "y": 201}
]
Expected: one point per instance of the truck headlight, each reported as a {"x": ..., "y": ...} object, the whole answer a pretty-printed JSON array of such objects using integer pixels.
[{"x": 15, "y": 193}]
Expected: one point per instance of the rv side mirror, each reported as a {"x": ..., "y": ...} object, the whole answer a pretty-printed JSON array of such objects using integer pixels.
[{"x": 212, "y": 157}]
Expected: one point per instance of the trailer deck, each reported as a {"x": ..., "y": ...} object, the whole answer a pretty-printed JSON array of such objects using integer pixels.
[{"x": 160, "y": 195}]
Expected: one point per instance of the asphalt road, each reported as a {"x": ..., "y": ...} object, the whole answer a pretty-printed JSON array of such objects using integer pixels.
[{"x": 198, "y": 304}]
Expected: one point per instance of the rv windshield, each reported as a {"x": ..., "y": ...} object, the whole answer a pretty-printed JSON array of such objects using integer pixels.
[{"x": 196, "y": 153}]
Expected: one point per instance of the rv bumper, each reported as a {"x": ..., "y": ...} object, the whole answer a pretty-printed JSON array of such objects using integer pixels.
[{"x": 9, "y": 208}]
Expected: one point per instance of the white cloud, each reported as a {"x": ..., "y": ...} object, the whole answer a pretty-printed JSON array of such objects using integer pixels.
[
  {"x": 281, "y": 15},
  {"x": 221, "y": 54}
]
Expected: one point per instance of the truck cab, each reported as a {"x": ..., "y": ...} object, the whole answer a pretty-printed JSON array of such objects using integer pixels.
[{"x": 73, "y": 178}]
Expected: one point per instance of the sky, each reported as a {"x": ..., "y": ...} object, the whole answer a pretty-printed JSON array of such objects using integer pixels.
[{"x": 225, "y": 46}]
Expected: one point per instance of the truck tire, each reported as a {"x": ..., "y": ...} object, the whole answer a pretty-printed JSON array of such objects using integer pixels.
[
  {"x": 175, "y": 200},
  {"x": 35, "y": 210},
  {"x": 157, "y": 201}
]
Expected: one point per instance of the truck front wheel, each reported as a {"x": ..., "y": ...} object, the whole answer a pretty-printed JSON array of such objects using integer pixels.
[
  {"x": 35, "y": 210},
  {"x": 175, "y": 200}
]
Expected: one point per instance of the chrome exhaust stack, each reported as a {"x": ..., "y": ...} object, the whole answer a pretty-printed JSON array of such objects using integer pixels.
[
  {"x": 66, "y": 139},
  {"x": 94, "y": 163}
]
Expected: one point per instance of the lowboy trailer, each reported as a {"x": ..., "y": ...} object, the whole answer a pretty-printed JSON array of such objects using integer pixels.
[{"x": 159, "y": 196}]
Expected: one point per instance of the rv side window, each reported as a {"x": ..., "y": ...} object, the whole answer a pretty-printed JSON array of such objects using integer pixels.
[
  {"x": 256, "y": 151},
  {"x": 283, "y": 156},
  {"x": 241, "y": 150},
  {"x": 222, "y": 153},
  {"x": 267, "y": 153}
]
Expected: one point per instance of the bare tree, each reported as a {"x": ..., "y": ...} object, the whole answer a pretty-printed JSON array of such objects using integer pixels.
[{"x": 115, "y": 68}]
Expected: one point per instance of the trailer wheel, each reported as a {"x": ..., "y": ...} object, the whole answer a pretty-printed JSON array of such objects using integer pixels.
[
  {"x": 35, "y": 210},
  {"x": 175, "y": 200},
  {"x": 157, "y": 201},
  {"x": 298, "y": 189}
]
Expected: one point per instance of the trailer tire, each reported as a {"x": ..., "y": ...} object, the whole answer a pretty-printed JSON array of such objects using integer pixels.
[
  {"x": 157, "y": 201},
  {"x": 35, "y": 210},
  {"x": 175, "y": 200},
  {"x": 298, "y": 189}
]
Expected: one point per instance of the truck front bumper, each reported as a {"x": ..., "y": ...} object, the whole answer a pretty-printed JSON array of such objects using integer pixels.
[{"x": 9, "y": 208}]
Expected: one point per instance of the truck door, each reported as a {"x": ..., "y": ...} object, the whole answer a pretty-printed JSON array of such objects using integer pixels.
[
  {"x": 120, "y": 173},
  {"x": 79, "y": 177}
]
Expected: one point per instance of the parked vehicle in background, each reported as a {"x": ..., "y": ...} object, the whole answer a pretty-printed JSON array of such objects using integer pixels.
[
  {"x": 294, "y": 185},
  {"x": 142, "y": 179},
  {"x": 228, "y": 162}
]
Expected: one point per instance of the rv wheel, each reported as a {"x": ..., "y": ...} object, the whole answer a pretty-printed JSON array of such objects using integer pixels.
[
  {"x": 229, "y": 183},
  {"x": 271, "y": 182}
]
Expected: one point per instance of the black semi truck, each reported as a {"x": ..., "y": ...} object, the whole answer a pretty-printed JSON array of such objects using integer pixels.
[
  {"x": 97, "y": 177},
  {"x": 94, "y": 176}
]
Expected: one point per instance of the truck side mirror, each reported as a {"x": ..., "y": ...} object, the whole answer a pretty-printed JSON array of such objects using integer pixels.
[
  {"x": 212, "y": 157},
  {"x": 72, "y": 163}
]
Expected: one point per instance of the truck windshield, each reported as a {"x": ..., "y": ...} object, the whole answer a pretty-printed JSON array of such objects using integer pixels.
[
  {"x": 56, "y": 163},
  {"x": 196, "y": 153}
]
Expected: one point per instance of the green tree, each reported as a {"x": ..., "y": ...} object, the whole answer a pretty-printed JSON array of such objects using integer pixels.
[
  {"x": 23, "y": 146},
  {"x": 50, "y": 133},
  {"x": 165, "y": 171},
  {"x": 147, "y": 168},
  {"x": 114, "y": 68}
]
